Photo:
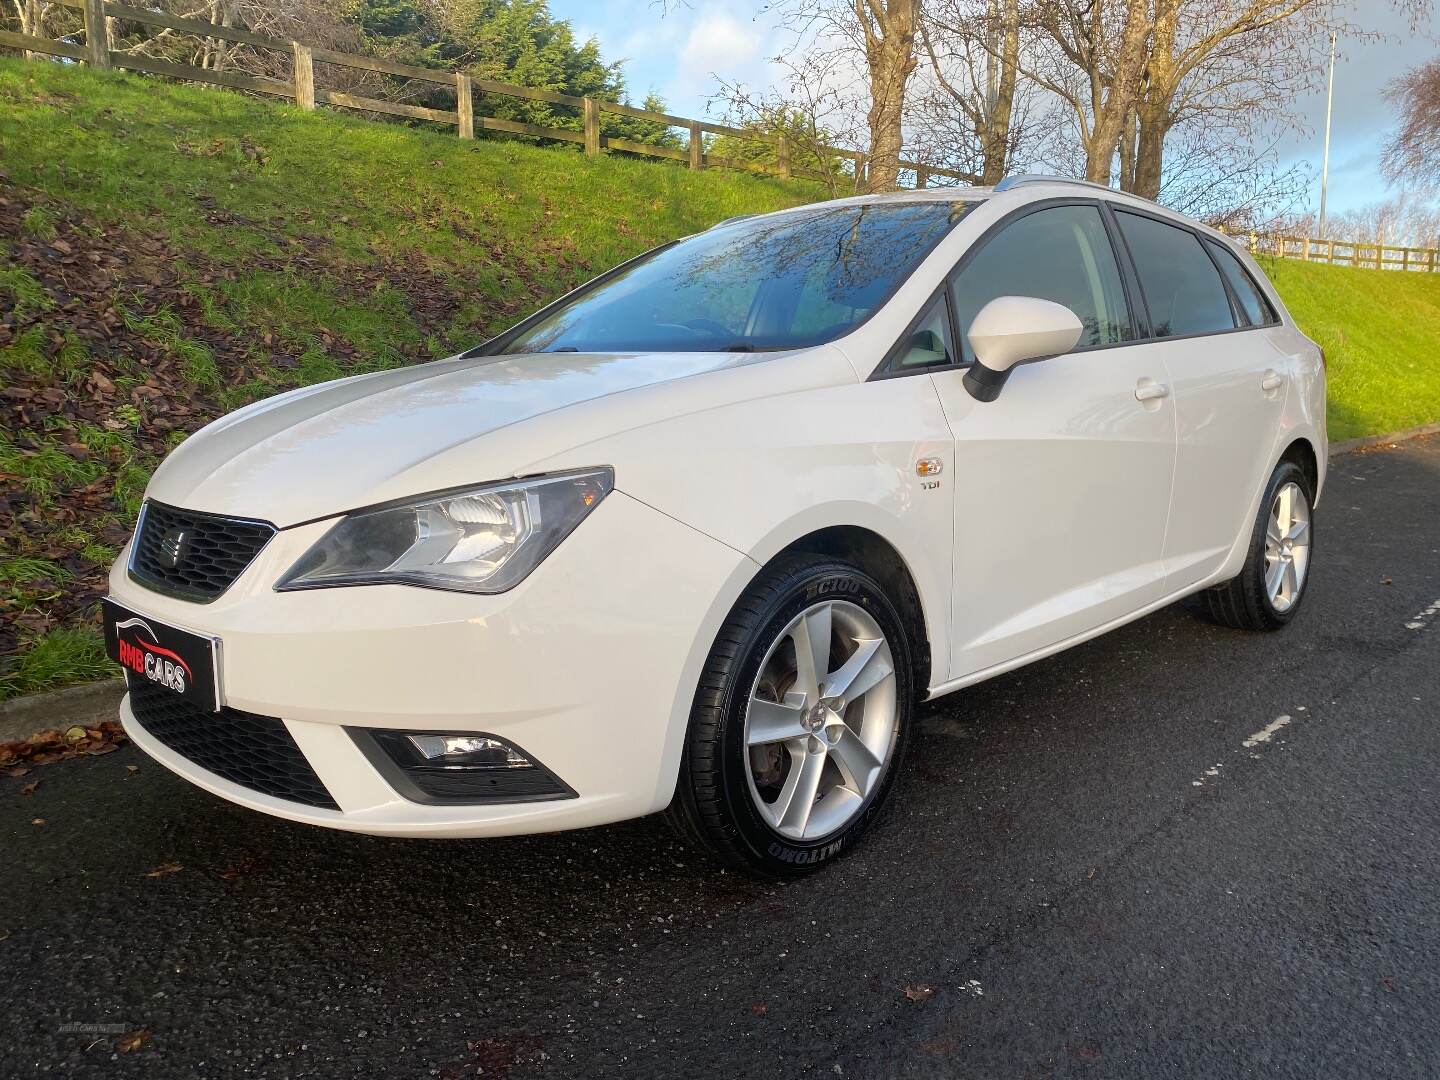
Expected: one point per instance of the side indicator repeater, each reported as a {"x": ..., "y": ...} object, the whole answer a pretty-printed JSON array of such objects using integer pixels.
[{"x": 929, "y": 466}]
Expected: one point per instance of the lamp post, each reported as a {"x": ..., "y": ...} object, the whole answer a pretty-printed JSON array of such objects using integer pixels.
[{"x": 1325, "y": 161}]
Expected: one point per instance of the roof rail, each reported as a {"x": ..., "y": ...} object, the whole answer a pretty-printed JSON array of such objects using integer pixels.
[{"x": 1045, "y": 178}]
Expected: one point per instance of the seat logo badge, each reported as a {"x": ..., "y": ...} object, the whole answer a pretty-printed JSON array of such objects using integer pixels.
[{"x": 172, "y": 547}]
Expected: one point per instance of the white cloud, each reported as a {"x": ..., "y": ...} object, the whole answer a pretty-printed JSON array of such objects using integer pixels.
[{"x": 720, "y": 44}]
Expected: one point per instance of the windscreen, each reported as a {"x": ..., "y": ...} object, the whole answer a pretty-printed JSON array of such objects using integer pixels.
[{"x": 783, "y": 282}]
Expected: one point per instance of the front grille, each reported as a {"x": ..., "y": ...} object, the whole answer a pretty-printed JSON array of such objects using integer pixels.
[
  {"x": 254, "y": 751},
  {"x": 191, "y": 555}
]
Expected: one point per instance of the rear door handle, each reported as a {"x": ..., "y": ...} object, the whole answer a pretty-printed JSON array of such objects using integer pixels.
[
  {"x": 1273, "y": 380},
  {"x": 1151, "y": 391}
]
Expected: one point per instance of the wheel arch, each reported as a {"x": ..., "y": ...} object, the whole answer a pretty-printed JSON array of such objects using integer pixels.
[
  {"x": 878, "y": 557},
  {"x": 1301, "y": 451}
]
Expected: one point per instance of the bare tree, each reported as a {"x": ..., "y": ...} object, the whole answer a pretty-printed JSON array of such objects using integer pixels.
[
  {"x": 1094, "y": 63},
  {"x": 877, "y": 37},
  {"x": 1413, "y": 152},
  {"x": 971, "y": 89},
  {"x": 812, "y": 108}
]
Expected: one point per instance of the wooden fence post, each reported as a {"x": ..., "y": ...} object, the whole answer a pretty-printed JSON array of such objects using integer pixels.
[
  {"x": 97, "y": 34},
  {"x": 782, "y": 156},
  {"x": 922, "y": 177},
  {"x": 464, "y": 106},
  {"x": 697, "y": 147},
  {"x": 304, "y": 76},
  {"x": 1305, "y": 249},
  {"x": 592, "y": 127}
]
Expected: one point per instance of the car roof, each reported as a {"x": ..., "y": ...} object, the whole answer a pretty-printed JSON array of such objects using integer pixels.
[{"x": 1028, "y": 188}]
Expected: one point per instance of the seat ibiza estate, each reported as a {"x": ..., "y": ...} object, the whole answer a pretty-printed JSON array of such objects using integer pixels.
[{"x": 699, "y": 535}]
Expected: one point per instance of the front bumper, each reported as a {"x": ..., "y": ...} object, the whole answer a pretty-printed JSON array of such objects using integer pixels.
[{"x": 589, "y": 665}]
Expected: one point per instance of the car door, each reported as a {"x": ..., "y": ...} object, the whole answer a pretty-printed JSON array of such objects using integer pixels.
[
  {"x": 1062, "y": 484},
  {"x": 1226, "y": 385}
]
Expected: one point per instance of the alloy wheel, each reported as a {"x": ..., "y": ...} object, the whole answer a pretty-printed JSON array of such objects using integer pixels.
[
  {"x": 821, "y": 722},
  {"x": 1287, "y": 546}
]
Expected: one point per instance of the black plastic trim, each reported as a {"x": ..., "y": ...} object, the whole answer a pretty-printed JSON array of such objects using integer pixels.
[
  {"x": 176, "y": 592},
  {"x": 398, "y": 777},
  {"x": 1130, "y": 278}
]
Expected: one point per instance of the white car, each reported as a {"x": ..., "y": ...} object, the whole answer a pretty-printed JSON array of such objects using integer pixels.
[{"x": 701, "y": 534}]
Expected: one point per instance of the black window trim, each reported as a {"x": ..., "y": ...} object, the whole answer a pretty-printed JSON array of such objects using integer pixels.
[
  {"x": 1209, "y": 243},
  {"x": 1242, "y": 325},
  {"x": 887, "y": 368},
  {"x": 1129, "y": 278}
]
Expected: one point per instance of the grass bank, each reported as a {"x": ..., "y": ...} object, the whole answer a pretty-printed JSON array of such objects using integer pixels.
[{"x": 1380, "y": 330}]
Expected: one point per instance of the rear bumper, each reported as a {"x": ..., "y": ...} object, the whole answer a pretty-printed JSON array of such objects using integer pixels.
[{"x": 589, "y": 666}]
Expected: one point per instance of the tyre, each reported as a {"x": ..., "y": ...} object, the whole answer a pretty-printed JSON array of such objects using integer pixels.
[
  {"x": 801, "y": 719},
  {"x": 1269, "y": 590}
]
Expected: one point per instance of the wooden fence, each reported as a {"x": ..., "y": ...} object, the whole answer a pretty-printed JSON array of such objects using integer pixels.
[
  {"x": 302, "y": 90},
  {"x": 1346, "y": 253}
]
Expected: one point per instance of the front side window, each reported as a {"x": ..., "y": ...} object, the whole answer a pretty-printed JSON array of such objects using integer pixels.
[
  {"x": 1252, "y": 301},
  {"x": 784, "y": 282},
  {"x": 1062, "y": 254},
  {"x": 1182, "y": 288}
]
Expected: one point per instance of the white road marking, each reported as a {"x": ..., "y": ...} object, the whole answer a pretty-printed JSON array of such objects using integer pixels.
[
  {"x": 1419, "y": 620},
  {"x": 1265, "y": 734}
]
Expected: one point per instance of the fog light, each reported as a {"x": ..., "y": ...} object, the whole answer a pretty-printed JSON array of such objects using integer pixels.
[
  {"x": 469, "y": 751},
  {"x": 457, "y": 767}
]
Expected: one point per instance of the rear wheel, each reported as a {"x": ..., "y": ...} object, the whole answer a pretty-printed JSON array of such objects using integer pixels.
[
  {"x": 1268, "y": 591},
  {"x": 800, "y": 719}
]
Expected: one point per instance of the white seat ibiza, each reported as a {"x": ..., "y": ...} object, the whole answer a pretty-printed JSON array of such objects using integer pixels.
[{"x": 700, "y": 534}]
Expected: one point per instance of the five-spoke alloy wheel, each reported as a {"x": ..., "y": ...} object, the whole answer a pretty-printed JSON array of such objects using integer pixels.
[
  {"x": 821, "y": 722},
  {"x": 800, "y": 720},
  {"x": 1266, "y": 594}
]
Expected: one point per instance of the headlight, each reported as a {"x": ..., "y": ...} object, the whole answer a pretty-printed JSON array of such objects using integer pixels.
[{"x": 482, "y": 540}]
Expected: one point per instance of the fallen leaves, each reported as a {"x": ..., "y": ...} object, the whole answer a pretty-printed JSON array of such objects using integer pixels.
[
  {"x": 128, "y": 1044},
  {"x": 29, "y": 789},
  {"x": 919, "y": 992},
  {"x": 166, "y": 868},
  {"x": 760, "y": 1008},
  {"x": 37, "y": 821},
  {"x": 17, "y": 758}
]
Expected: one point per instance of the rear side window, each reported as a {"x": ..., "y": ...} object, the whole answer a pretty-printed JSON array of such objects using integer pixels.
[
  {"x": 1252, "y": 301},
  {"x": 1062, "y": 254},
  {"x": 1182, "y": 288}
]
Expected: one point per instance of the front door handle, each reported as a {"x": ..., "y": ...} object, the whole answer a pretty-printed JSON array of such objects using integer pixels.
[
  {"x": 1272, "y": 381},
  {"x": 1151, "y": 391}
]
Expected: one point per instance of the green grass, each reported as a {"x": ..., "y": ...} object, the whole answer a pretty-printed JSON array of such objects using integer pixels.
[
  {"x": 67, "y": 654},
  {"x": 1380, "y": 330},
  {"x": 125, "y": 149}
]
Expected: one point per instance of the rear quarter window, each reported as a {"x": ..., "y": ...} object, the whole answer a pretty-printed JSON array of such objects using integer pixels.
[{"x": 1253, "y": 300}]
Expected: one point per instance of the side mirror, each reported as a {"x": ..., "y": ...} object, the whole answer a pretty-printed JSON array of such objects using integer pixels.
[{"x": 1011, "y": 330}]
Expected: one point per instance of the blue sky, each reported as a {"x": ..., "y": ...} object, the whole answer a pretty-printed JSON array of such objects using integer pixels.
[{"x": 678, "y": 53}]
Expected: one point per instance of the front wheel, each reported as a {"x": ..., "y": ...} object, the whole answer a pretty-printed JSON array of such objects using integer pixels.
[
  {"x": 800, "y": 719},
  {"x": 1268, "y": 591}
]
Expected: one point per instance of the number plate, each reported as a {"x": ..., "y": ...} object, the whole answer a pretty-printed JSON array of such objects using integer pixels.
[{"x": 175, "y": 660}]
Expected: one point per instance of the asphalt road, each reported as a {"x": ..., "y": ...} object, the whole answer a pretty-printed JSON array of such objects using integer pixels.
[{"x": 1092, "y": 863}]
